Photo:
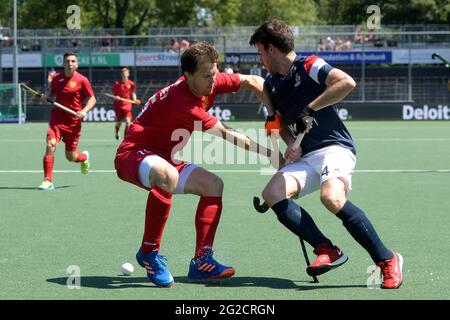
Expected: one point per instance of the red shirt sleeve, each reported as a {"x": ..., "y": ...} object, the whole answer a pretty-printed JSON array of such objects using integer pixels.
[
  {"x": 87, "y": 89},
  {"x": 133, "y": 87},
  {"x": 226, "y": 83}
]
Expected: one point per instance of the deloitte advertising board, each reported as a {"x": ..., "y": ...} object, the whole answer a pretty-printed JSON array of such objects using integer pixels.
[
  {"x": 105, "y": 113},
  {"x": 249, "y": 112},
  {"x": 391, "y": 111}
]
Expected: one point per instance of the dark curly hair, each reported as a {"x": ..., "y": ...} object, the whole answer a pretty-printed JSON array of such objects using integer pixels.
[{"x": 274, "y": 32}]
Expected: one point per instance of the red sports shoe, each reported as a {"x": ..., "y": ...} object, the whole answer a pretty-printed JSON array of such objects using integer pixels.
[
  {"x": 391, "y": 271},
  {"x": 328, "y": 258}
]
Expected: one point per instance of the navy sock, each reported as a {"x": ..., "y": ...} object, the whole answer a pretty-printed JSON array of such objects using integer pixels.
[
  {"x": 299, "y": 222},
  {"x": 359, "y": 226}
]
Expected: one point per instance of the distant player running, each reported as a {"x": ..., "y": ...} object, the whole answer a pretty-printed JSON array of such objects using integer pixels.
[
  {"x": 126, "y": 89},
  {"x": 145, "y": 158},
  {"x": 71, "y": 89},
  {"x": 301, "y": 88}
]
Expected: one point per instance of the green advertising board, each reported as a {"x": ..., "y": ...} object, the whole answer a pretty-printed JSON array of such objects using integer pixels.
[{"x": 84, "y": 60}]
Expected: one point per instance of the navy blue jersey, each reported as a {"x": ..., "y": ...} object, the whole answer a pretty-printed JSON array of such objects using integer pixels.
[{"x": 290, "y": 94}]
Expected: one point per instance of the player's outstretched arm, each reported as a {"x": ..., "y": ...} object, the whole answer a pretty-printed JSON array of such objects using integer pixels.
[
  {"x": 339, "y": 85},
  {"x": 255, "y": 83},
  {"x": 241, "y": 140}
]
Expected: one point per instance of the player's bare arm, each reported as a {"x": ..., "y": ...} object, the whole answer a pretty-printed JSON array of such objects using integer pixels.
[
  {"x": 44, "y": 97},
  {"x": 241, "y": 140},
  {"x": 291, "y": 154},
  {"x": 339, "y": 85},
  {"x": 90, "y": 103},
  {"x": 255, "y": 83},
  {"x": 47, "y": 95}
]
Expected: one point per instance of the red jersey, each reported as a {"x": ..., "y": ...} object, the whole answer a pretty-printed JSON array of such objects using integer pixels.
[
  {"x": 71, "y": 93},
  {"x": 123, "y": 90},
  {"x": 172, "y": 108}
]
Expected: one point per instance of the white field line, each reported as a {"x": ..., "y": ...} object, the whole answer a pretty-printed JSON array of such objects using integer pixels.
[
  {"x": 43, "y": 140},
  {"x": 211, "y": 140},
  {"x": 251, "y": 171}
]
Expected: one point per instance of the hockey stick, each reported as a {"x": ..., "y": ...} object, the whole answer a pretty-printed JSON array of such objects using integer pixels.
[
  {"x": 137, "y": 101},
  {"x": 262, "y": 208},
  {"x": 51, "y": 101}
]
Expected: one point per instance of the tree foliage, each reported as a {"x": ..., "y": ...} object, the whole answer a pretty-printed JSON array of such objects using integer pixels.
[
  {"x": 135, "y": 16},
  {"x": 392, "y": 11}
]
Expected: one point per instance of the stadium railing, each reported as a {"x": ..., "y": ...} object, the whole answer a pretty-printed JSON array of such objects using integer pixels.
[{"x": 235, "y": 40}]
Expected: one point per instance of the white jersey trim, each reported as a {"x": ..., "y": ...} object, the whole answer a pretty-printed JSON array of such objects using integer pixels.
[{"x": 315, "y": 68}]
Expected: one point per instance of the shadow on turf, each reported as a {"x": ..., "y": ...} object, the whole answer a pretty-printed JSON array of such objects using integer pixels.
[
  {"x": 31, "y": 188},
  {"x": 102, "y": 282},
  {"x": 121, "y": 282},
  {"x": 266, "y": 282}
]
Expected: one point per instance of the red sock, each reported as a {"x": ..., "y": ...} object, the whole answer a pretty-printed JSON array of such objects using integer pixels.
[
  {"x": 156, "y": 213},
  {"x": 207, "y": 219},
  {"x": 125, "y": 130},
  {"x": 80, "y": 157},
  {"x": 48, "y": 167}
]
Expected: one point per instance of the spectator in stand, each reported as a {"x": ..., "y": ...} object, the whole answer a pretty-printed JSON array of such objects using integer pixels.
[
  {"x": 359, "y": 37},
  {"x": 106, "y": 43},
  {"x": 321, "y": 45},
  {"x": 228, "y": 69},
  {"x": 174, "y": 46},
  {"x": 6, "y": 41},
  {"x": 347, "y": 44},
  {"x": 184, "y": 45},
  {"x": 330, "y": 44},
  {"x": 115, "y": 42},
  {"x": 369, "y": 37},
  {"x": 338, "y": 44}
]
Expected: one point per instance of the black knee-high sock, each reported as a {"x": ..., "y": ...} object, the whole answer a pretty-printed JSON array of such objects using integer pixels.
[
  {"x": 359, "y": 226},
  {"x": 299, "y": 222}
]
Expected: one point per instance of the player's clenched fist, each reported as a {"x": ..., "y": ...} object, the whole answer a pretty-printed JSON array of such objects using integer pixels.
[{"x": 305, "y": 120}]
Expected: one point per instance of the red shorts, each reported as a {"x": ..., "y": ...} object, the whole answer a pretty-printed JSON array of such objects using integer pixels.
[
  {"x": 122, "y": 113},
  {"x": 70, "y": 135},
  {"x": 127, "y": 163}
]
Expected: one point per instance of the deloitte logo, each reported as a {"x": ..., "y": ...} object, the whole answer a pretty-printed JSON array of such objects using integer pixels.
[
  {"x": 221, "y": 114},
  {"x": 426, "y": 113},
  {"x": 100, "y": 115}
]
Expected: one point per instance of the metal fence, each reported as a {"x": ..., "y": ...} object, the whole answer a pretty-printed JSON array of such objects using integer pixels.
[
  {"x": 229, "y": 38},
  {"x": 408, "y": 39}
]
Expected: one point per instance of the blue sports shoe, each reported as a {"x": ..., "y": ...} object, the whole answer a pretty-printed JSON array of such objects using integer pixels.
[
  {"x": 205, "y": 267},
  {"x": 157, "y": 271}
]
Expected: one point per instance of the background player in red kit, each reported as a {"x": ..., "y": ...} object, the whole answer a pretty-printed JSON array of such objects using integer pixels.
[
  {"x": 123, "y": 88},
  {"x": 71, "y": 89},
  {"x": 145, "y": 159}
]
